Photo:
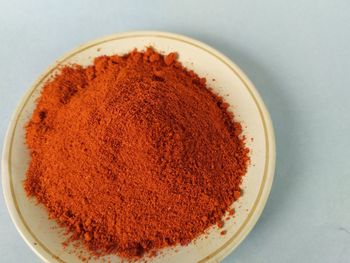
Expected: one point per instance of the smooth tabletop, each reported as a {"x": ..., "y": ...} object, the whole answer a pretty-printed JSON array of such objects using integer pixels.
[{"x": 297, "y": 53}]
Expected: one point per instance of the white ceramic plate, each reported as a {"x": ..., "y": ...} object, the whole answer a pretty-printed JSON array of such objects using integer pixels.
[{"x": 32, "y": 221}]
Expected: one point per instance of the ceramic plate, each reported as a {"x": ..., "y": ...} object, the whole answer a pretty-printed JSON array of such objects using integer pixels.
[{"x": 223, "y": 76}]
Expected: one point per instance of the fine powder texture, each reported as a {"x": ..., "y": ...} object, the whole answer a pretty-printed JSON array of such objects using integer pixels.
[{"x": 134, "y": 153}]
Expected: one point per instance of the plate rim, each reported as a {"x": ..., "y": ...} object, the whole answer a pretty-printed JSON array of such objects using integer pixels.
[{"x": 270, "y": 159}]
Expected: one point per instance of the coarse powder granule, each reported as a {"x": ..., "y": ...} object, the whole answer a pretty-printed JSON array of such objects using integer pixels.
[{"x": 134, "y": 153}]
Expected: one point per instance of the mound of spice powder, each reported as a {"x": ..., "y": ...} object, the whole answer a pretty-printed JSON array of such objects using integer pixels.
[{"x": 134, "y": 153}]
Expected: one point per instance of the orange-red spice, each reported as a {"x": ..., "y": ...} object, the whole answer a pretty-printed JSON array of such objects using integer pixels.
[{"x": 134, "y": 153}]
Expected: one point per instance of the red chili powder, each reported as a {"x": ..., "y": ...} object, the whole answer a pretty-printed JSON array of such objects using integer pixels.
[{"x": 134, "y": 153}]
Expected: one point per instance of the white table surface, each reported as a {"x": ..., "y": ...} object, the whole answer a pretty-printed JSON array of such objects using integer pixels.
[{"x": 296, "y": 52}]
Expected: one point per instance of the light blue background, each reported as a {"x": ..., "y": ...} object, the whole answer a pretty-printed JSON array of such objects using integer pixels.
[{"x": 296, "y": 52}]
